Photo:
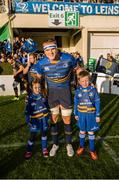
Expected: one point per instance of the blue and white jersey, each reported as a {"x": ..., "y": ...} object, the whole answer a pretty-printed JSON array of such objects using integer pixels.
[
  {"x": 86, "y": 100},
  {"x": 57, "y": 73},
  {"x": 36, "y": 107}
]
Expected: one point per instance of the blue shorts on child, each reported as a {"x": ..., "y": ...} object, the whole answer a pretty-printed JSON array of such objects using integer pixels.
[
  {"x": 87, "y": 122},
  {"x": 37, "y": 125}
]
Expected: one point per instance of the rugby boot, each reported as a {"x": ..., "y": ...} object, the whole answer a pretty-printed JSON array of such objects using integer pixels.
[
  {"x": 28, "y": 155},
  {"x": 80, "y": 151},
  {"x": 70, "y": 151},
  {"x": 93, "y": 155},
  {"x": 45, "y": 153},
  {"x": 54, "y": 150}
]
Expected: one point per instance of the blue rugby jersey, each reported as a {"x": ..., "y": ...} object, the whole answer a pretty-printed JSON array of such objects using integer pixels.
[
  {"x": 58, "y": 72},
  {"x": 86, "y": 100},
  {"x": 36, "y": 107}
]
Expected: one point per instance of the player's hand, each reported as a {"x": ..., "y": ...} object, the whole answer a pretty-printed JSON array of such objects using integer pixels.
[
  {"x": 28, "y": 63},
  {"x": 97, "y": 119},
  {"x": 76, "y": 117},
  {"x": 29, "y": 124},
  {"x": 14, "y": 74}
]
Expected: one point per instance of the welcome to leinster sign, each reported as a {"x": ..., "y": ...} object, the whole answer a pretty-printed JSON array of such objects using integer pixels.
[{"x": 81, "y": 8}]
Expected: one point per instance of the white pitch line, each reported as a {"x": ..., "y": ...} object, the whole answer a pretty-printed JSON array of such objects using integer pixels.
[
  {"x": 50, "y": 142},
  {"x": 12, "y": 145},
  {"x": 111, "y": 152},
  {"x": 107, "y": 137}
]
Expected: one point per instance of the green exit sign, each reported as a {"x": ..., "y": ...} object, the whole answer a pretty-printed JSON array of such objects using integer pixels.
[{"x": 72, "y": 19}]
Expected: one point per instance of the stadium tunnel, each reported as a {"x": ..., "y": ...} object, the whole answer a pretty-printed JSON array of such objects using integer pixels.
[{"x": 67, "y": 39}]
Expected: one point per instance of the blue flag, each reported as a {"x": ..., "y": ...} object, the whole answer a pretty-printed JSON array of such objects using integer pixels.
[
  {"x": 8, "y": 46},
  {"x": 29, "y": 46}
]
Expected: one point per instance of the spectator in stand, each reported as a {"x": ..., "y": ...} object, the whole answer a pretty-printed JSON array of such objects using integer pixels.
[
  {"x": 108, "y": 66},
  {"x": 112, "y": 66},
  {"x": 110, "y": 58},
  {"x": 18, "y": 75},
  {"x": 2, "y": 57},
  {"x": 16, "y": 44},
  {"x": 30, "y": 62},
  {"x": 24, "y": 58},
  {"x": 80, "y": 65},
  {"x": 79, "y": 59}
]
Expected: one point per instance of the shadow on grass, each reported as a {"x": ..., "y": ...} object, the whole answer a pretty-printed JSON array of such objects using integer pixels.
[
  {"x": 108, "y": 107},
  {"x": 10, "y": 101},
  {"x": 6, "y": 102},
  {"x": 11, "y": 161},
  {"x": 15, "y": 159},
  {"x": 11, "y": 131},
  {"x": 106, "y": 120},
  {"x": 103, "y": 134}
]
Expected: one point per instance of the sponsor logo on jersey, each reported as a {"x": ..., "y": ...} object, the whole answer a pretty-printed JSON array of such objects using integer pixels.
[
  {"x": 33, "y": 104},
  {"x": 65, "y": 65}
]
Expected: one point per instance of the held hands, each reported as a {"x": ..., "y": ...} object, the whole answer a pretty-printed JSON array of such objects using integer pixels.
[
  {"x": 28, "y": 121},
  {"x": 29, "y": 124},
  {"x": 97, "y": 119},
  {"x": 76, "y": 117},
  {"x": 27, "y": 118}
]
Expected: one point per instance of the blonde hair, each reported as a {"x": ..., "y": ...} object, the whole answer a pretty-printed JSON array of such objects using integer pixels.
[
  {"x": 82, "y": 74},
  {"x": 49, "y": 41}
]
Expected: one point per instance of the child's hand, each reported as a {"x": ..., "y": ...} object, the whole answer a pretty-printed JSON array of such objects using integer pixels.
[
  {"x": 76, "y": 117},
  {"x": 27, "y": 118},
  {"x": 29, "y": 124},
  {"x": 97, "y": 119}
]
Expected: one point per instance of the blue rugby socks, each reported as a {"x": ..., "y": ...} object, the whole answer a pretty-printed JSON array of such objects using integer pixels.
[
  {"x": 91, "y": 142},
  {"x": 68, "y": 133},
  {"x": 30, "y": 146},
  {"x": 54, "y": 133},
  {"x": 44, "y": 140},
  {"x": 31, "y": 141},
  {"x": 82, "y": 140}
]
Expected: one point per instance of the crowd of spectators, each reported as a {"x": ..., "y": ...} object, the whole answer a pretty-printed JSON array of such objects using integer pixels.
[{"x": 21, "y": 47}]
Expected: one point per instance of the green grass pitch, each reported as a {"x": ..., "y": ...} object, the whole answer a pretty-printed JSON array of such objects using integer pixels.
[{"x": 14, "y": 134}]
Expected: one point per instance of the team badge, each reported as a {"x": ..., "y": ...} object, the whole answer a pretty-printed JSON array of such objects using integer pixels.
[
  {"x": 46, "y": 68},
  {"x": 90, "y": 94},
  {"x": 33, "y": 104},
  {"x": 79, "y": 95}
]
